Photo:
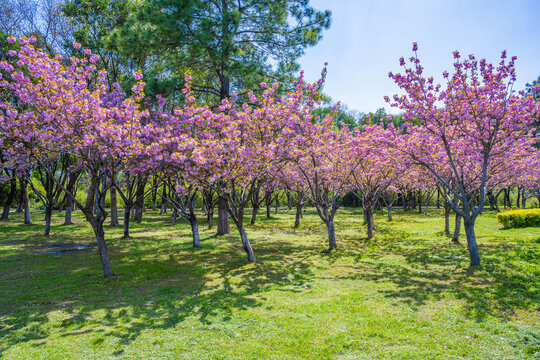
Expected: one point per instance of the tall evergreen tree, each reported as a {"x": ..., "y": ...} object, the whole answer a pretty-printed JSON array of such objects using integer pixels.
[{"x": 233, "y": 45}]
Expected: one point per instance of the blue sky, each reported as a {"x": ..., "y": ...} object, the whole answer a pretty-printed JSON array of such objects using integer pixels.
[{"x": 367, "y": 38}]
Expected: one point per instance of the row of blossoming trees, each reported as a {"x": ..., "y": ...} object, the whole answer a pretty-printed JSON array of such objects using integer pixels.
[{"x": 59, "y": 119}]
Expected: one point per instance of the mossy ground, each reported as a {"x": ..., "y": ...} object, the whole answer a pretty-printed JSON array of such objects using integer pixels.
[{"x": 406, "y": 294}]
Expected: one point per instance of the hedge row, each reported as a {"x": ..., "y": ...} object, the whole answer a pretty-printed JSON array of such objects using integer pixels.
[{"x": 519, "y": 218}]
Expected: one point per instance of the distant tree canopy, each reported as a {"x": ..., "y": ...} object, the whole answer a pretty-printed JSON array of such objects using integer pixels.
[
  {"x": 231, "y": 45},
  {"x": 228, "y": 46},
  {"x": 529, "y": 86}
]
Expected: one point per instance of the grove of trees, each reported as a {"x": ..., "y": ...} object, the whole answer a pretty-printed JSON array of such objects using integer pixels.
[{"x": 222, "y": 119}]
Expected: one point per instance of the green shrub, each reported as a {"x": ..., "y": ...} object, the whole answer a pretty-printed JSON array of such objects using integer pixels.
[{"x": 519, "y": 218}]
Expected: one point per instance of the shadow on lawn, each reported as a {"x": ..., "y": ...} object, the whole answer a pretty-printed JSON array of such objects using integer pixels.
[
  {"x": 506, "y": 281},
  {"x": 159, "y": 285}
]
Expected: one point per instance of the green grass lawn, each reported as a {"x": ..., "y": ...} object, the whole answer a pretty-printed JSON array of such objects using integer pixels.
[{"x": 406, "y": 294}]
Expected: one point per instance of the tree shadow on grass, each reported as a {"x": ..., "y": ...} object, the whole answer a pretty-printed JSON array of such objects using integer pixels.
[
  {"x": 159, "y": 284},
  {"x": 506, "y": 281}
]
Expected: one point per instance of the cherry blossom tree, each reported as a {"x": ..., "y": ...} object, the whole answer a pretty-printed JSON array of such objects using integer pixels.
[
  {"x": 466, "y": 126},
  {"x": 69, "y": 109}
]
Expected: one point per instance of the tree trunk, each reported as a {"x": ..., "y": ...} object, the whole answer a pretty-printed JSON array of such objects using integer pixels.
[
  {"x": 163, "y": 209},
  {"x": 114, "y": 207},
  {"x": 195, "y": 232},
  {"x": 174, "y": 216},
  {"x": 154, "y": 192},
  {"x": 223, "y": 217},
  {"x": 139, "y": 203},
  {"x": 457, "y": 229},
  {"x": 331, "y": 235},
  {"x": 289, "y": 203},
  {"x": 471, "y": 242},
  {"x": 97, "y": 226},
  {"x": 523, "y": 200},
  {"x": 405, "y": 202},
  {"x": 20, "y": 203},
  {"x": 365, "y": 217},
  {"x": 277, "y": 205},
  {"x": 369, "y": 222},
  {"x": 298, "y": 214},
  {"x": 210, "y": 215},
  {"x": 48, "y": 216},
  {"x": 389, "y": 207},
  {"x": 254, "y": 214},
  {"x": 26, "y": 203},
  {"x": 127, "y": 211},
  {"x": 518, "y": 197},
  {"x": 9, "y": 200},
  {"x": 268, "y": 202},
  {"x": 245, "y": 243},
  {"x": 68, "y": 202},
  {"x": 447, "y": 210},
  {"x": 491, "y": 199},
  {"x": 69, "y": 210}
]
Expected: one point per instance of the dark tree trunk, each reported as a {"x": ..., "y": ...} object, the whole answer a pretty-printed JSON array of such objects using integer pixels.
[
  {"x": 174, "y": 216},
  {"x": 523, "y": 200},
  {"x": 331, "y": 235},
  {"x": 365, "y": 217},
  {"x": 289, "y": 203},
  {"x": 68, "y": 202},
  {"x": 298, "y": 214},
  {"x": 127, "y": 218},
  {"x": 97, "y": 226},
  {"x": 9, "y": 200},
  {"x": 420, "y": 202},
  {"x": 114, "y": 207},
  {"x": 69, "y": 210},
  {"x": 163, "y": 209},
  {"x": 209, "y": 203},
  {"x": 369, "y": 221},
  {"x": 457, "y": 229},
  {"x": 447, "y": 210},
  {"x": 48, "y": 216},
  {"x": 438, "y": 198},
  {"x": 518, "y": 197},
  {"x": 20, "y": 203},
  {"x": 190, "y": 200},
  {"x": 245, "y": 242},
  {"x": 139, "y": 203},
  {"x": 492, "y": 201},
  {"x": 154, "y": 192},
  {"x": 389, "y": 207},
  {"x": 268, "y": 202},
  {"x": 223, "y": 217},
  {"x": 471, "y": 243},
  {"x": 26, "y": 203},
  {"x": 195, "y": 232},
  {"x": 254, "y": 213},
  {"x": 210, "y": 215}
]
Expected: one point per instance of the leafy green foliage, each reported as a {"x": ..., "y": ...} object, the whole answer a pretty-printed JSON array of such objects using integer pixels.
[
  {"x": 229, "y": 45},
  {"x": 519, "y": 218}
]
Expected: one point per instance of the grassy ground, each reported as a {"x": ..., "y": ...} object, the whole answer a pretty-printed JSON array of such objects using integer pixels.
[{"x": 407, "y": 294}]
